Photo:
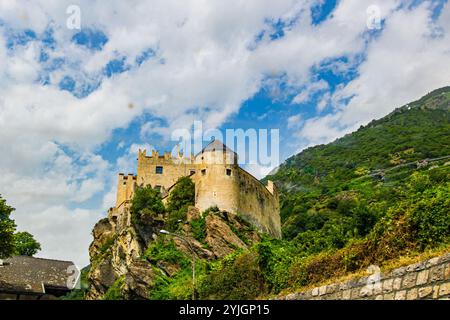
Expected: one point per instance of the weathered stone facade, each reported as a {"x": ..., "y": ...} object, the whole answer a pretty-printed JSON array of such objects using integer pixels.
[
  {"x": 425, "y": 280},
  {"x": 219, "y": 181}
]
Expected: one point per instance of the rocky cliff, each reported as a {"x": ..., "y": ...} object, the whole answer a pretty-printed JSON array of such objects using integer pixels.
[{"x": 122, "y": 266}]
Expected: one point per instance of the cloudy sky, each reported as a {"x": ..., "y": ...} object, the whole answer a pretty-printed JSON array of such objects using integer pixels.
[{"x": 77, "y": 104}]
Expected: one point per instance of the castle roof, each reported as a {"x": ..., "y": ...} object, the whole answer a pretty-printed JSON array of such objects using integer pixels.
[{"x": 216, "y": 145}]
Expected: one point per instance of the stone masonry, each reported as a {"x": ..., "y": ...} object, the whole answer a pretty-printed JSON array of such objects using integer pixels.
[{"x": 429, "y": 279}]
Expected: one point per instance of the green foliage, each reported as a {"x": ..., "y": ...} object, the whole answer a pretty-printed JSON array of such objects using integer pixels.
[
  {"x": 164, "y": 250},
  {"x": 429, "y": 214},
  {"x": 146, "y": 204},
  {"x": 198, "y": 226},
  {"x": 236, "y": 278},
  {"x": 182, "y": 195},
  {"x": 388, "y": 146},
  {"x": 176, "y": 219},
  {"x": 7, "y": 228},
  {"x": 25, "y": 244},
  {"x": 179, "y": 287},
  {"x": 115, "y": 292},
  {"x": 198, "y": 229}
]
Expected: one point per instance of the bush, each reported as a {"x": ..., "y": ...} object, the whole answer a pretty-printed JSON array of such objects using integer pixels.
[
  {"x": 198, "y": 229},
  {"x": 430, "y": 216},
  {"x": 176, "y": 219},
  {"x": 166, "y": 251},
  {"x": 115, "y": 292},
  {"x": 237, "y": 279},
  {"x": 182, "y": 195},
  {"x": 145, "y": 205}
]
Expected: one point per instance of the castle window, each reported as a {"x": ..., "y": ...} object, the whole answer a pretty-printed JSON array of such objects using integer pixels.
[
  {"x": 159, "y": 170},
  {"x": 228, "y": 172},
  {"x": 192, "y": 172},
  {"x": 158, "y": 188},
  {"x": 203, "y": 172}
]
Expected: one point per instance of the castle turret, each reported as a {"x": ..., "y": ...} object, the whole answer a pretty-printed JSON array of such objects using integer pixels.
[
  {"x": 216, "y": 182},
  {"x": 125, "y": 188}
]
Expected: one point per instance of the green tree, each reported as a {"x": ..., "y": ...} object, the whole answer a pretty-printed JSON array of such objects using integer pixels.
[
  {"x": 146, "y": 204},
  {"x": 182, "y": 195},
  {"x": 7, "y": 228},
  {"x": 25, "y": 244}
]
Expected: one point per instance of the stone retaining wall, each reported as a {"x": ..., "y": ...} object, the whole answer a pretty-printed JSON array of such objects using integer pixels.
[{"x": 429, "y": 279}]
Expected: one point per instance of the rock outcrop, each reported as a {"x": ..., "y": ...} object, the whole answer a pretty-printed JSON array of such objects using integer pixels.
[{"x": 118, "y": 252}]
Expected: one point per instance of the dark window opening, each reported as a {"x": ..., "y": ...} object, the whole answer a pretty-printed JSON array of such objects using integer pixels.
[
  {"x": 158, "y": 188},
  {"x": 228, "y": 172},
  {"x": 192, "y": 172},
  {"x": 203, "y": 172},
  {"x": 159, "y": 170}
]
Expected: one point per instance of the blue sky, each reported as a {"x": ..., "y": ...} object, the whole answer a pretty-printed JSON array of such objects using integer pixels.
[{"x": 76, "y": 105}]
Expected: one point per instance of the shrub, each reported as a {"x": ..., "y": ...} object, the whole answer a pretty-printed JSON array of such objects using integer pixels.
[
  {"x": 115, "y": 292},
  {"x": 166, "y": 251},
  {"x": 182, "y": 195},
  {"x": 238, "y": 279},
  {"x": 430, "y": 216},
  {"x": 145, "y": 204},
  {"x": 198, "y": 229},
  {"x": 176, "y": 219}
]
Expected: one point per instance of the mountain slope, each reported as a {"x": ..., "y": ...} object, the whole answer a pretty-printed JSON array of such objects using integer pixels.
[{"x": 385, "y": 150}]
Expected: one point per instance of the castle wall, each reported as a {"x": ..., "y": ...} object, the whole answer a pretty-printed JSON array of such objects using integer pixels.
[
  {"x": 259, "y": 204},
  {"x": 172, "y": 170},
  {"x": 213, "y": 187}
]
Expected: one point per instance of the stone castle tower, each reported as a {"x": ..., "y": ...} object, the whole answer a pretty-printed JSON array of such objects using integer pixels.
[{"x": 219, "y": 181}]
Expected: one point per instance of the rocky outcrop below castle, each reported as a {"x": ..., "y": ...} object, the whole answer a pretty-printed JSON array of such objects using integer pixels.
[{"x": 124, "y": 256}]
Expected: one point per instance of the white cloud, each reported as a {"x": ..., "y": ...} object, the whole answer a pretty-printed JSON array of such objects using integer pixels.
[
  {"x": 305, "y": 95},
  {"x": 404, "y": 63},
  {"x": 294, "y": 121}
]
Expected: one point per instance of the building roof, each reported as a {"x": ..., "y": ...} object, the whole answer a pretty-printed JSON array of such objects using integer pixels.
[
  {"x": 216, "y": 145},
  {"x": 34, "y": 275}
]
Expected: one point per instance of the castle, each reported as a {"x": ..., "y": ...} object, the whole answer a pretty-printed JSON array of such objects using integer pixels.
[{"x": 219, "y": 181}]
